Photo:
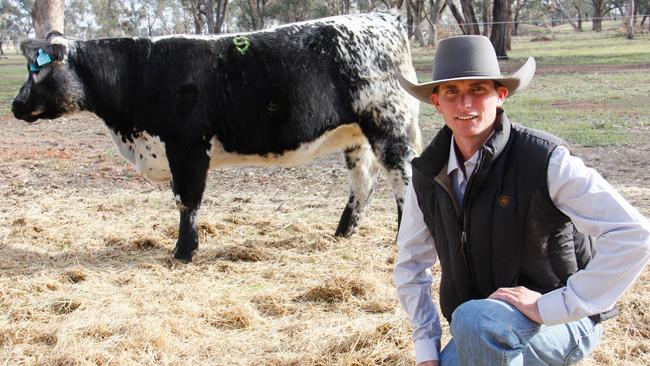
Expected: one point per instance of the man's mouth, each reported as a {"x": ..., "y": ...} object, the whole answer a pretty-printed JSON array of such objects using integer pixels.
[{"x": 466, "y": 118}]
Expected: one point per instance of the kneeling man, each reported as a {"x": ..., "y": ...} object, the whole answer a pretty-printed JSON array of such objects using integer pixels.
[{"x": 535, "y": 248}]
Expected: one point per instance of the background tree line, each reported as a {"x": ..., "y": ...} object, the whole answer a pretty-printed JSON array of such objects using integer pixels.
[{"x": 498, "y": 19}]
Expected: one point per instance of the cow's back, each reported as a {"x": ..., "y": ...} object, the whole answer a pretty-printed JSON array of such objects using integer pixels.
[{"x": 288, "y": 86}]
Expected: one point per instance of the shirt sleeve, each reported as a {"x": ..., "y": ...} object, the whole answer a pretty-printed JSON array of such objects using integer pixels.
[
  {"x": 416, "y": 255},
  {"x": 621, "y": 239}
]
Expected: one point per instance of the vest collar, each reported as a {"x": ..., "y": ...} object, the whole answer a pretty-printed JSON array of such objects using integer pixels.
[{"x": 435, "y": 156}]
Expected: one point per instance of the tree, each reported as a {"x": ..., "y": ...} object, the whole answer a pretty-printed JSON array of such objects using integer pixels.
[
  {"x": 499, "y": 28},
  {"x": 601, "y": 8},
  {"x": 289, "y": 11},
  {"x": 485, "y": 16},
  {"x": 393, "y": 4},
  {"x": 435, "y": 10},
  {"x": 417, "y": 11},
  {"x": 558, "y": 6},
  {"x": 629, "y": 20},
  {"x": 518, "y": 5},
  {"x": 466, "y": 20},
  {"x": 47, "y": 16},
  {"x": 12, "y": 20},
  {"x": 253, "y": 14},
  {"x": 470, "y": 17},
  {"x": 338, "y": 7}
]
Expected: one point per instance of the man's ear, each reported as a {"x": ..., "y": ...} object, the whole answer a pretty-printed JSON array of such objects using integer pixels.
[
  {"x": 502, "y": 94},
  {"x": 434, "y": 100}
]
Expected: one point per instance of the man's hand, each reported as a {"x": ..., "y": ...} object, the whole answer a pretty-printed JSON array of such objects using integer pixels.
[
  {"x": 428, "y": 363},
  {"x": 522, "y": 299}
]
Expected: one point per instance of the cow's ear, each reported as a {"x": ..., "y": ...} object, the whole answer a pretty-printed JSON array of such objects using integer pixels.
[{"x": 31, "y": 47}]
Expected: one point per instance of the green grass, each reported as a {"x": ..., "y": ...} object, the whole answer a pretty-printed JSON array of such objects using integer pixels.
[
  {"x": 590, "y": 88},
  {"x": 12, "y": 75}
]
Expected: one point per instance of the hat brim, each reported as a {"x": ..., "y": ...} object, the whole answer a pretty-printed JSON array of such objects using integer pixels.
[{"x": 517, "y": 82}]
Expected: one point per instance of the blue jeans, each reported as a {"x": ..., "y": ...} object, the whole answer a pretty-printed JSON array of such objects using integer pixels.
[{"x": 492, "y": 332}]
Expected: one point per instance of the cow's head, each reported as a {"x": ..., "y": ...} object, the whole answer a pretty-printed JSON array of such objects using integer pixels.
[{"x": 52, "y": 88}]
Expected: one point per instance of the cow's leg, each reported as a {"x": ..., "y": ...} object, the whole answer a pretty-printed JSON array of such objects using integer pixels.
[
  {"x": 394, "y": 151},
  {"x": 189, "y": 169},
  {"x": 363, "y": 171}
]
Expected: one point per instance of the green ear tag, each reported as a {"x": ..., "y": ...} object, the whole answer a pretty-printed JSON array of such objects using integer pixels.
[
  {"x": 242, "y": 44},
  {"x": 43, "y": 58}
]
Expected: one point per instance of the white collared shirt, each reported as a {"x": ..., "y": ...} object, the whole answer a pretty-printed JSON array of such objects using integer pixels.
[
  {"x": 622, "y": 249},
  {"x": 460, "y": 177}
]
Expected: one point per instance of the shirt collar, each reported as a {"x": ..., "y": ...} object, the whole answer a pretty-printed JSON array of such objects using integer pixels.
[{"x": 453, "y": 162}]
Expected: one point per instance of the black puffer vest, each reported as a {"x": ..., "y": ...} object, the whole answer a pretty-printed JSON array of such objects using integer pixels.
[{"x": 508, "y": 232}]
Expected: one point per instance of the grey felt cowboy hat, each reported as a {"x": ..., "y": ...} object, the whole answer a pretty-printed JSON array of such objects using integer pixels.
[{"x": 468, "y": 58}]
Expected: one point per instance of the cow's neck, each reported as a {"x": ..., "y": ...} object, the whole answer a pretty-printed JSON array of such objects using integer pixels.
[{"x": 109, "y": 71}]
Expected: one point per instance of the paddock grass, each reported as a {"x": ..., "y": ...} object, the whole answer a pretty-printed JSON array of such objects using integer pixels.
[
  {"x": 12, "y": 74},
  {"x": 590, "y": 89}
]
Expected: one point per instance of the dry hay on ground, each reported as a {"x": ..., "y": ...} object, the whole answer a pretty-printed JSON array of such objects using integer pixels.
[{"x": 86, "y": 274}]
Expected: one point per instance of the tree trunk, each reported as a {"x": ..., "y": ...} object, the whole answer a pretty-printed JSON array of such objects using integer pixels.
[
  {"x": 629, "y": 20},
  {"x": 519, "y": 4},
  {"x": 566, "y": 16},
  {"x": 579, "y": 22},
  {"x": 47, "y": 16},
  {"x": 485, "y": 18},
  {"x": 220, "y": 15},
  {"x": 409, "y": 22},
  {"x": 2, "y": 52},
  {"x": 457, "y": 15},
  {"x": 499, "y": 28},
  {"x": 416, "y": 10},
  {"x": 599, "y": 12},
  {"x": 471, "y": 24},
  {"x": 509, "y": 27},
  {"x": 435, "y": 7}
]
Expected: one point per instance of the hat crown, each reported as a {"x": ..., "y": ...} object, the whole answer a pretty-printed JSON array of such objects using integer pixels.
[{"x": 465, "y": 57}]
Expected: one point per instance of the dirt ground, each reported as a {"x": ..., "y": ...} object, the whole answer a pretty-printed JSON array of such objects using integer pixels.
[{"x": 86, "y": 275}]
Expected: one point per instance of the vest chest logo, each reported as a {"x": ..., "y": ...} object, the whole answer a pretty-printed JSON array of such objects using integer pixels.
[{"x": 504, "y": 200}]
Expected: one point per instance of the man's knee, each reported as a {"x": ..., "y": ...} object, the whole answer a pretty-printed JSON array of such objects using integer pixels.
[{"x": 482, "y": 319}]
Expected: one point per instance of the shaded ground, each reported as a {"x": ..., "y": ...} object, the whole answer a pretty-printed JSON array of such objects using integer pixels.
[{"x": 85, "y": 246}]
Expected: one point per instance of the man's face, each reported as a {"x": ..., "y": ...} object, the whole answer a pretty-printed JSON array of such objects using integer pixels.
[{"x": 469, "y": 107}]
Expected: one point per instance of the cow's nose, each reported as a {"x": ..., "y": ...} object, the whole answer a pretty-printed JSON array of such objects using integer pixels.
[
  {"x": 19, "y": 109},
  {"x": 15, "y": 108}
]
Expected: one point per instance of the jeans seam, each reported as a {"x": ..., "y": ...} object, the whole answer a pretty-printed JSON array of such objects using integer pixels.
[{"x": 567, "y": 359}]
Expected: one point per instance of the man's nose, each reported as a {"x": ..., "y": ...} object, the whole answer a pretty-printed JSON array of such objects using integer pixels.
[{"x": 464, "y": 100}]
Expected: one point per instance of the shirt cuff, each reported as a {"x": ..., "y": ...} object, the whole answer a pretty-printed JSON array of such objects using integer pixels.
[
  {"x": 552, "y": 308},
  {"x": 426, "y": 350}
]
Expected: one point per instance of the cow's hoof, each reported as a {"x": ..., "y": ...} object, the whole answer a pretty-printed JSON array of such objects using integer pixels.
[
  {"x": 344, "y": 233},
  {"x": 183, "y": 256}
]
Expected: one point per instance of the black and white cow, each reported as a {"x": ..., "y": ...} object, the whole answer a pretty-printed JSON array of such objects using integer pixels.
[{"x": 179, "y": 105}]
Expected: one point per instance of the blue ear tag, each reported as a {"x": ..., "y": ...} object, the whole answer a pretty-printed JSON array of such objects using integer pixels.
[{"x": 43, "y": 58}]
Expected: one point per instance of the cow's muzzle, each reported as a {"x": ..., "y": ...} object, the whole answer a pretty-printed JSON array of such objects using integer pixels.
[{"x": 21, "y": 111}]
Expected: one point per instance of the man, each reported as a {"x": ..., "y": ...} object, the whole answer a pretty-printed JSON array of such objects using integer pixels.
[{"x": 534, "y": 247}]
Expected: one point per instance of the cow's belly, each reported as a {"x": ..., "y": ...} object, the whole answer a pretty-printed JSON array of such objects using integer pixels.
[
  {"x": 344, "y": 136},
  {"x": 146, "y": 153}
]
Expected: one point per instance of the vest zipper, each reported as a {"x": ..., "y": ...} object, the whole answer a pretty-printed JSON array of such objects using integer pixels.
[{"x": 464, "y": 240}]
